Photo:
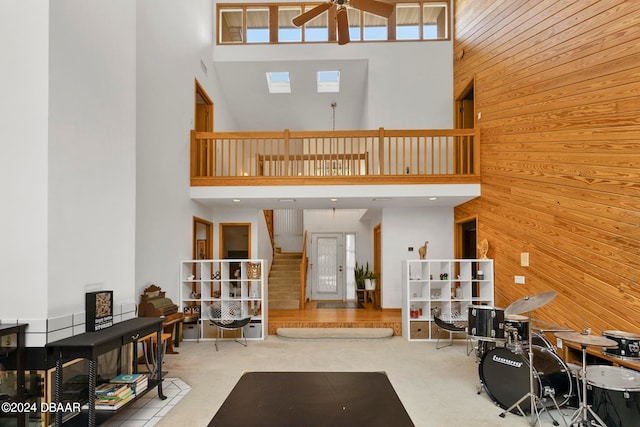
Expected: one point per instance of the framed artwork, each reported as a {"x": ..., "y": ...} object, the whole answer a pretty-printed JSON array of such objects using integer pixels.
[
  {"x": 201, "y": 249},
  {"x": 98, "y": 310}
]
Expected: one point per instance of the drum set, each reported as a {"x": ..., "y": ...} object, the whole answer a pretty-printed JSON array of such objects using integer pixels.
[{"x": 521, "y": 372}]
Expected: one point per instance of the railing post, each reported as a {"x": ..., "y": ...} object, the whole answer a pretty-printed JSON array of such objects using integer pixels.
[
  {"x": 476, "y": 151},
  {"x": 193, "y": 160},
  {"x": 286, "y": 152},
  {"x": 380, "y": 153}
]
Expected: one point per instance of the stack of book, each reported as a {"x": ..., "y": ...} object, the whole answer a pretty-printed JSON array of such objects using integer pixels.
[
  {"x": 120, "y": 390},
  {"x": 137, "y": 382},
  {"x": 112, "y": 396}
]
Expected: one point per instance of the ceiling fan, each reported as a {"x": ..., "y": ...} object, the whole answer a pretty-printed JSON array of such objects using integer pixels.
[{"x": 372, "y": 6}]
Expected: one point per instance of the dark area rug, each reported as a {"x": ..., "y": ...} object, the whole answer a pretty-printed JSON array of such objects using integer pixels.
[
  {"x": 339, "y": 304},
  {"x": 312, "y": 399}
]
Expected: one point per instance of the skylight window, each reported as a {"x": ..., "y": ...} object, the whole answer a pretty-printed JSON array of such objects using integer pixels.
[
  {"x": 328, "y": 81},
  {"x": 278, "y": 82}
]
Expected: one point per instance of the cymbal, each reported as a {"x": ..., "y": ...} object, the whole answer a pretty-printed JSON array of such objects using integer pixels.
[
  {"x": 530, "y": 303},
  {"x": 586, "y": 340}
]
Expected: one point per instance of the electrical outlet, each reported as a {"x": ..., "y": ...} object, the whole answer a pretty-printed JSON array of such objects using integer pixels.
[{"x": 519, "y": 280}]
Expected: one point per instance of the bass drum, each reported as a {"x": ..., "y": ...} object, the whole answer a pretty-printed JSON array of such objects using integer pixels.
[
  {"x": 504, "y": 374},
  {"x": 614, "y": 394}
]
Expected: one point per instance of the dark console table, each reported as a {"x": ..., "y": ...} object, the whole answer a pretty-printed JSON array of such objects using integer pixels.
[{"x": 90, "y": 345}]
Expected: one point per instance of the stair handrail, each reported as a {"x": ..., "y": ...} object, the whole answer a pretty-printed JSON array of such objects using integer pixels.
[{"x": 304, "y": 263}]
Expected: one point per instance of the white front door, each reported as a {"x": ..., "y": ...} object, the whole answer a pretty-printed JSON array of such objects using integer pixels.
[{"x": 327, "y": 267}]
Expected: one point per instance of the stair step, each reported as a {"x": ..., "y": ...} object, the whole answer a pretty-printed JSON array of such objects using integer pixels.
[
  {"x": 284, "y": 305},
  {"x": 284, "y": 281}
]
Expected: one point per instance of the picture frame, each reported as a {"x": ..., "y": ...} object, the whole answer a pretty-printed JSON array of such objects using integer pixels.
[
  {"x": 201, "y": 249},
  {"x": 98, "y": 310}
]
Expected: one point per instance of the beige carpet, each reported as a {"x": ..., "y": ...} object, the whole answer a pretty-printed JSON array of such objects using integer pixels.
[
  {"x": 334, "y": 333},
  {"x": 437, "y": 387}
]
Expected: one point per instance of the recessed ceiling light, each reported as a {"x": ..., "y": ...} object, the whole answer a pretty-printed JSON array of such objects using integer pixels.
[
  {"x": 433, "y": 198},
  {"x": 286, "y": 200},
  {"x": 334, "y": 200},
  {"x": 236, "y": 200}
]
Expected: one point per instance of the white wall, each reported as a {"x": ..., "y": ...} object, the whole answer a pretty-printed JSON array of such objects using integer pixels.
[
  {"x": 24, "y": 85},
  {"x": 410, "y": 86},
  {"x": 404, "y": 228},
  {"x": 92, "y": 122},
  {"x": 342, "y": 221},
  {"x": 173, "y": 39}
]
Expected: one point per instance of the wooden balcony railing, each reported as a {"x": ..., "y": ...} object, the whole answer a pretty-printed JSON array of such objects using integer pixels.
[{"x": 334, "y": 157}]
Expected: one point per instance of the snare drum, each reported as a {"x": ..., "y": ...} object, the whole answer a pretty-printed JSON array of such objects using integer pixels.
[
  {"x": 628, "y": 344},
  {"x": 486, "y": 322},
  {"x": 614, "y": 394}
]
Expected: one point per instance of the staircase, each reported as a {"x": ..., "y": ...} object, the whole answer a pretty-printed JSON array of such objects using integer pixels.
[{"x": 284, "y": 281}]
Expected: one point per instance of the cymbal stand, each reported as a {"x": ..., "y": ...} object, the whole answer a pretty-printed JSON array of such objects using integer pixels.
[
  {"x": 533, "y": 398},
  {"x": 581, "y": 415}
]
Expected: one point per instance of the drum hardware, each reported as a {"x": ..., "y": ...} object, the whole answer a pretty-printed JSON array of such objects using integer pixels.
[
  {"x": 581, "y": 415},
  {"x": 528, "y": 304}
]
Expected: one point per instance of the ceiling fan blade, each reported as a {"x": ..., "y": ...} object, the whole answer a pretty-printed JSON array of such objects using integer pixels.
[
  {"x": 373, "y": 6},
  {"x": 342, "y": 18},
  {"x": 310, "y": 14}
]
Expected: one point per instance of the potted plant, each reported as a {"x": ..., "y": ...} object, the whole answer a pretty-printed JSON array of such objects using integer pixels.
[
  {"x": 370, "y": 280},
  {"x": 360, "y": 274}
]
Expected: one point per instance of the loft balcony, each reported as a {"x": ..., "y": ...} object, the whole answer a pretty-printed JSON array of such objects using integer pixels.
[{"x": 356, "y": 157}]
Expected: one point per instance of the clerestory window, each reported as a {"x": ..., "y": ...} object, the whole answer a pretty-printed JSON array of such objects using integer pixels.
[{"x": 271, "y": 23}]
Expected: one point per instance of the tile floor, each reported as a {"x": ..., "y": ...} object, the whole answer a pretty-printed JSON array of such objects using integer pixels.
[{"x": 148, "y": 410}]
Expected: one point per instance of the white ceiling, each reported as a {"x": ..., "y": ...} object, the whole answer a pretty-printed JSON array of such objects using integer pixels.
[
  {"x": 348, "y": 196},
  {"x": 244, "y": 87}
]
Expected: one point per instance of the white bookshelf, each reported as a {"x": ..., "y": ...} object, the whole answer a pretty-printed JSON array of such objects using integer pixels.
[
  {"x": 448, "y": 285},
  {"x": 212, "y": 288}
]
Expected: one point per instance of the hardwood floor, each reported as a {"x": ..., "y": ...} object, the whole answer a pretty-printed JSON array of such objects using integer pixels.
[{"x": 313, "y": 317}]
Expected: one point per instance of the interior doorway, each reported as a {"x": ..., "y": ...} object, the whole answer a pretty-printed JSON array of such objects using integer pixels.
[
  {"x": 465, "y": 119},
  {"x": 466, "y": 238},
  {"x": 377, "y": 261},
  {"x": 203, "y": 110},
  {"x": 235, "y": 242},
  {"x": 202, "y": 238}
]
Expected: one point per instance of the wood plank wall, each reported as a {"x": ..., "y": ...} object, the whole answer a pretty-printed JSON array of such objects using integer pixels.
[{"x": 557, "y": 84}]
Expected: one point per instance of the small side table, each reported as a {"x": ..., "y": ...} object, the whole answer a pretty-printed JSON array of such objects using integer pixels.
[{"x": 370, "y": 294}]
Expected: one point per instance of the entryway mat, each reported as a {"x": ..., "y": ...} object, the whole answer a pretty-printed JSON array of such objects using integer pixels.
[
  {"x": 333, "y": 333},
  {"x": 339, "y": 304}
]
